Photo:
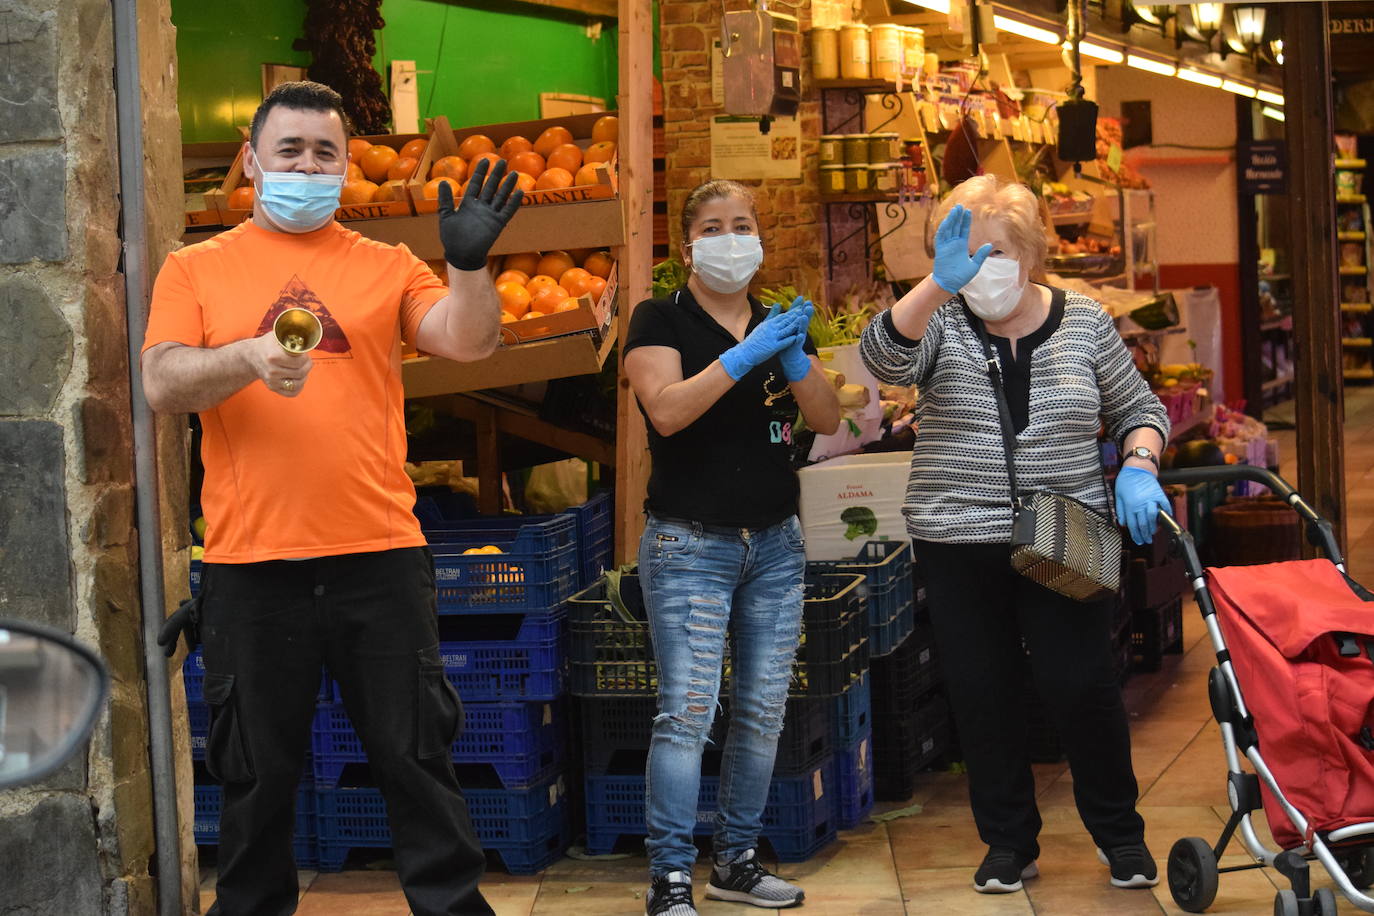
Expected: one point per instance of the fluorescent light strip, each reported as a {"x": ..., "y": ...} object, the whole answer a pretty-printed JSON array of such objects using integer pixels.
[
  {"x": 1272, "y": 113},
  {"x": 1238, "y": 88},
  {"x": 1100, "y": 52},
  {"x": 1202, "y": 79},
  {"x": 1273, "y": 98},
  {"x": 939, "y": 6},
  {"x": 1163, "y": 68},
  {"x": 1033, "y": 32}
]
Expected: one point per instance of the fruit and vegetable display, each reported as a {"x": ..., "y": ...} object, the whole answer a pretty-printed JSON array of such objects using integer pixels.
[{"x": 535, "y": 284}]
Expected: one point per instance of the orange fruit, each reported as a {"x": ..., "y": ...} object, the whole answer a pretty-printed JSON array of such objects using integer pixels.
[
  {"x": 358, "y": 192},
  {"x": 472, "y": 163},
  {"x": 538, "y": 283},
  {"x": 555, "y": 263},
  {"x": 395, "y": 189},
  {"x": 569, "y": 304},
  {"x": 606, "y": 128},
  {"x": 553, "y": 180},
  {"x": 548, "y": 299},
  {"x": 450, "y": 167},
  {"x": 526, "y": 262},
  {"x": 507, "y": 317},
  {"x": 402, "y": 168},
  {"x": 475, "y": 145},
  {"x": 535, "y": 313},
  {"x": 599, "y": 263},
  {"x": 415, "y": 149},
  {"x": 514, "y": 298},
  {"x": 512, "y": 276},
  {"x": 595, "y": 286},
  {"x": 600, "y": 152},
  {"x": 524, "y": 182},
  {"x": 241, "y": 198},
  {"x": 579, "y": 254},
  {"x": 566, "y": 156},
  {"x": 376, "y": 161},
  {"x": 551, "y": 139},
  {"x": 529, "y": 162},
  {"x": 357, "y": 147},
  {"x": 431, "y": 189},
  {"x": 354, "y": 172},
  {"x": 588, "y": 174},
  {"x": 512, "y": 145},
  {"x": 574, "y": 280}
]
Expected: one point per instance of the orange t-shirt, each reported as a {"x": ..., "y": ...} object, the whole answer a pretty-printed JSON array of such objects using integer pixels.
[{"x": 322, "y": 473}]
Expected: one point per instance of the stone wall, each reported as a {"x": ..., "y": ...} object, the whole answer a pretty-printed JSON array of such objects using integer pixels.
[
  {"x": 790, "y": 212},
  {"x": 81, "y": 842}
]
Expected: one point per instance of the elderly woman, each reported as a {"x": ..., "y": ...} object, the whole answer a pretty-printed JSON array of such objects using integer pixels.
[{"x": 1064, "y": 372}]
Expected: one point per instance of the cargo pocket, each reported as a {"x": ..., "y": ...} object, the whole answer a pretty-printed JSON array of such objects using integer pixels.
[
  {"x": 439, "y": 715},
  {"x": 226, "y": 748}
]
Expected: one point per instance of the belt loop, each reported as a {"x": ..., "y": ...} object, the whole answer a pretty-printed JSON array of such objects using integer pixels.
[{"x": 698, "y": 529}]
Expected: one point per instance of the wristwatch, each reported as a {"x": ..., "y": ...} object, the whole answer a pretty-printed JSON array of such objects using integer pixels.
[{"x": 1141, "y": 451}]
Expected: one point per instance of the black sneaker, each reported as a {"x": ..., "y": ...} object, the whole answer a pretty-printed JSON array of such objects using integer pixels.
[
  {"x": 1002, "y": 871},
  {"x": 744, "y": 880},
  {"x": 1132, "y": 865},
  {"x": 670, "y": 895}
]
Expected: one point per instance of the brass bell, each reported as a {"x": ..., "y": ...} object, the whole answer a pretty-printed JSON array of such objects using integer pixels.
[{"x": 298, "y": 330}]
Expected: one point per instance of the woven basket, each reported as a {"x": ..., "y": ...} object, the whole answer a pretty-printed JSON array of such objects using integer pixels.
[{"x": 1245, "y": 532}]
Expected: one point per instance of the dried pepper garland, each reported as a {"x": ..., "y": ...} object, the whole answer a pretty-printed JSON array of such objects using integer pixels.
[{"x": 341, "y": 37}]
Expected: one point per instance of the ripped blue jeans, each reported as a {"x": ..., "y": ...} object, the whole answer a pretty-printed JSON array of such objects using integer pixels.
[{"x": 700, "y": 582}]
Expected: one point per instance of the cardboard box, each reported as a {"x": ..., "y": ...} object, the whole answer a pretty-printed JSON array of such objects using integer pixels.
[{"x": 829, "y": 489}]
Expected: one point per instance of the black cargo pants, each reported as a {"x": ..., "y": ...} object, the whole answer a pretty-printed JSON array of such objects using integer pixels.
[{"x": 267, "y": 630}]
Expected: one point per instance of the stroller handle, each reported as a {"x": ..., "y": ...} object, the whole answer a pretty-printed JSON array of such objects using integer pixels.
[{"x": 1319, "y": 531}]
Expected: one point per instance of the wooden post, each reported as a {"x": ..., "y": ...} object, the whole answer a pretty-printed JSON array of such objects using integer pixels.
[
  {"x": 489, "y": 495},
  {"x": 635, "y": 102},
  {"x": 1316, "y": 312}
]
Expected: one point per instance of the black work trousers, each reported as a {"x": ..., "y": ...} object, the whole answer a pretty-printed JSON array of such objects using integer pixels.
[
  {"x": 983, "y": 614},
  {"x": 267, "y": 629}
]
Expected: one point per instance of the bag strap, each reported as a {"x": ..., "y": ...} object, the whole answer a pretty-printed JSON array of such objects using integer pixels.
[{"x": 994, "y": 369}]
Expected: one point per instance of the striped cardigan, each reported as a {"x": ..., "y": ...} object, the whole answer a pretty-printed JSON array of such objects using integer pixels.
[{"x": 1081, "y": 376}]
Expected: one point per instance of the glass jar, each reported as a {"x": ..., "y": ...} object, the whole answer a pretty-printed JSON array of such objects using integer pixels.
[
  {"x": 883, "y": 177},
  {"x": 856, "y": 179},
  {"x": 855, "y": 149},
  {"x": 854, "y": 52},
  {"x": 832, "y": 149},
  {"x": 883, "y": 147},
  {"x": 887, "y": 44},
  {"x": 825, "y": 54},
  {"x": 832, "y": 179}
]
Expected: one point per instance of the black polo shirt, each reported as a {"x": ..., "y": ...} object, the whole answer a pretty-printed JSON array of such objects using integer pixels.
[{"x": 733, "y": 465}]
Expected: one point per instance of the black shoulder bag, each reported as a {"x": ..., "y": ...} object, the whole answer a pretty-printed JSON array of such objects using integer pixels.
[{"x": 1057, "y": 541}]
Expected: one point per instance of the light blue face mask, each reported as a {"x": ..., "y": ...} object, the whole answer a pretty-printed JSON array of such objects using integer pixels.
[{"x": 297, "y": 202}]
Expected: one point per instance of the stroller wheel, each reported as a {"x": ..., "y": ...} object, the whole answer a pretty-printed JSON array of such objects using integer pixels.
[
  {"x": 1358, "y": 866},
  {"x": 1193, "y": 874},
  {"x": 1324, "y": 902},
  {"x": 1286, "y": 903}
]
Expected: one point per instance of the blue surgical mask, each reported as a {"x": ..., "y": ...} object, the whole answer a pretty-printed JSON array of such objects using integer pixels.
[
  {"x": 297, "y": 202},
  {"x": 726, "y": 263}
]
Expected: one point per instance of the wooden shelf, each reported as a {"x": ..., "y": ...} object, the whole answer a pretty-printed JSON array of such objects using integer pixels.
[
  {"x": 1358, "y": 342},
  {"x": 1350, "y": 198},
  {"x": 558, "y": 357},
  {"x": 1359, "y": 373},
  {"x": 873, "y": 197},
  {"x": 875, "y": 85},
  {"x": 1350, "y": 236},
  {"x": 1358, "y": 271},
  {"x": 1278, "y": 382},
  {"x": 1357, "y": 308},
  {"x": 1350, "y": 163}
]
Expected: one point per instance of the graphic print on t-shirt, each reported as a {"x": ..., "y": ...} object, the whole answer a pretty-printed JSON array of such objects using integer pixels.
[
  {"x": 296, "y": 294},
  {"x": 780, "y": 427}
]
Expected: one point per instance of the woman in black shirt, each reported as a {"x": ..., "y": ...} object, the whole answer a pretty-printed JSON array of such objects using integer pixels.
[{"x": 720, "y": 381}]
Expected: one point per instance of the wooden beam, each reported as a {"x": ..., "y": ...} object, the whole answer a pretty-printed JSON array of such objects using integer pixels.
[
  {"x": 606, "y": 8},
  {"x": 636, "y": 259},
  {"x": 489, "y": 494},
  {"x": 1316, "y": 313},
  {"x": 526, "y": 426}
]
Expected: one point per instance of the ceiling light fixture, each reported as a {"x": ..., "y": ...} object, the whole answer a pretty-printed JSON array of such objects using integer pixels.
[
  {"x": 1207, "y": 18},
  {"x": 1271, "y": 113},
  {"x": 939, "y": 6},
  {"x": 1273, "y": 98},
  {"x": 1202, "y": 79},
  {"x": 1100, "y": 52},
  {"x": 1238, "y": 88},
  {"x": 1163, "y": 68},
  {"x": 1249, "y": 22},
  {"x": 1025, "y": 30}
]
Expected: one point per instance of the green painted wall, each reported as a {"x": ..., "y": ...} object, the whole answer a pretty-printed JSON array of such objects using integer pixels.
[{"x": 489, "y": 59}]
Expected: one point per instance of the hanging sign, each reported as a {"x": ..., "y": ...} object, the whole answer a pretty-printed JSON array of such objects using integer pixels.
[
  {"x": 1263, "y": 166},
  {"x": 740, "y": 150}
]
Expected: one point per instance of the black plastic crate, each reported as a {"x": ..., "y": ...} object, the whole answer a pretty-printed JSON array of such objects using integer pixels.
[
  {"x": 1156, "y": 632},
  {"x": 908, "y": 673},
  {"x": 887, "y": 590},
  {"x": 1152, "y": 586},
  {"x": 611, "y": 653},
  {"x": 905, "y": 745}
]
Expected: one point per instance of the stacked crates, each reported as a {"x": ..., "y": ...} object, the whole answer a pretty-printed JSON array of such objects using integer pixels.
[
  {"x": 1155, "y": 581},
  {"x": 615, "y": 678}
]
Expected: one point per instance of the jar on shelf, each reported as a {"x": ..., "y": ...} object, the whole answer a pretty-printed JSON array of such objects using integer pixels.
[
  {"x": 832, "y": 179},
  {"x": 883, "y": 147},
  {"x": 913, "y": 51},
  {"x": 831, "y": 149},
  {"x": 912, "y": 149},
  {"x": 1347, "y": 183},
  {"x": 855, "y": 149},
  {"x": 856, "y": 178},
  {"x": 883, "y": 177},
  {"x": 825, "y": 53},
  {"x": 887, "y": 45},
  {"x": 854, "y": 52}
]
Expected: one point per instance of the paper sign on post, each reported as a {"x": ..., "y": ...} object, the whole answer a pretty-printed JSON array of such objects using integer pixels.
[{"x": 739, "y": 150}]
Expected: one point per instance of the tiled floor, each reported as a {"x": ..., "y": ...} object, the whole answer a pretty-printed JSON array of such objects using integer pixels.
[{"x": 924, "y": 862}]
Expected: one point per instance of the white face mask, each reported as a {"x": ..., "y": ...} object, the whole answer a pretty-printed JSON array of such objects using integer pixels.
[
  {"x": 995, "y": 290},
  {"x": 726, "y": 263}
]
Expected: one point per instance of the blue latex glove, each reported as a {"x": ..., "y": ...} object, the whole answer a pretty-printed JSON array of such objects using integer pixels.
[
  {"x": 1139, "y": 500},
  {"x": 796, "y": 365},
  {"x": 954, "y": 267},
  {"x": 774, "y": 334}
]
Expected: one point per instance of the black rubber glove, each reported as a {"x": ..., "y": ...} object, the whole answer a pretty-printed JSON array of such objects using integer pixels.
[
  {"x": 184, "y": 620},
  {"x": 468, "y": 232}
]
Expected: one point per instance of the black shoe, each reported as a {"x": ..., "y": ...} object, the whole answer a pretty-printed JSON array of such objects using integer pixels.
[
  {"x": 1132, "y": 865},
  {"x": 744, "y": 880},
  {"x": 1002, "y": 871},
  {"x": 671, "y": 895}
]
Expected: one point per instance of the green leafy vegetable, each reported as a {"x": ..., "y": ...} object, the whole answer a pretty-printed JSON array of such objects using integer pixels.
[
  {"x": 861, "y": 521},
  {"x": 667, "y": 276}
]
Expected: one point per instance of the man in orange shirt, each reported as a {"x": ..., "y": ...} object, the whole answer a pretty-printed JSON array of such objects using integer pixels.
[{"x": 313, "y": 555}]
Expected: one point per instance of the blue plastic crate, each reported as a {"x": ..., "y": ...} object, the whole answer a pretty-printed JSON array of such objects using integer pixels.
[
  {"x": 195, "y": 577},
  {"x": 193, "y": 678},
  {"x": 887, "y": 590},
  {"x": 209, "y": 800},
  {"x": 486, "y": 666},
  {"x": 853, "y": 794},
  {"x": 536, "y": 570},
  {"x": 853, "y": 712},
  {"x": 595, "y": 536},
  {"x": 798, "y": 818},
  {"x": 525, "y": 825},
  {"x": 198, "y": 720},
  {"x": 523, "y": 743}
]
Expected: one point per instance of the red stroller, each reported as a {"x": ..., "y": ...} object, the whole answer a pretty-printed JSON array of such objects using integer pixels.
[{"x": 1293, "y": 692}]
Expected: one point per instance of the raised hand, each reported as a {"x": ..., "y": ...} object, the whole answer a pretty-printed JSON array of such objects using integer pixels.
[
  {"x": 468, "y": 232},
  {"x": 954, "y": 267},
  {"x": 774, "y": 334},
  {"x": 795, "y": 363}
]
